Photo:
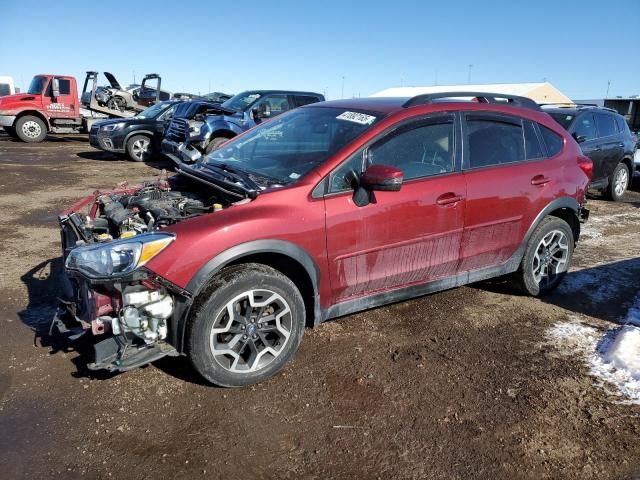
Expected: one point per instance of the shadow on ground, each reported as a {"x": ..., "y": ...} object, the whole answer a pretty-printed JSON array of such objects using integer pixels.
[{"x": 604, "y": 291}]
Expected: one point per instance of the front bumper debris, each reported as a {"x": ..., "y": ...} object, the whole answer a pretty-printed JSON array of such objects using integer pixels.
[{"x": 180, "y": 152}]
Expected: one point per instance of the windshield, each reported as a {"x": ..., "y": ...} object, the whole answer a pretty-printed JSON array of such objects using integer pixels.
[
  {"x": 154, "y": 111},
  {"x": 291, "y": 145},
  {"x": 37, "y": 85},
  {"x": 242, "y": 101},
  {"x": 563, "y": 119}
]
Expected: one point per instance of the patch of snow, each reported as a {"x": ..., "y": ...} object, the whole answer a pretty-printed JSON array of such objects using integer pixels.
[{"x": 612, "y": 359}]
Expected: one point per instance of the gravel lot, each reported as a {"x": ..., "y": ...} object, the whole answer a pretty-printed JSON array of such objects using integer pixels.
[{"x": 459, "y": 385}]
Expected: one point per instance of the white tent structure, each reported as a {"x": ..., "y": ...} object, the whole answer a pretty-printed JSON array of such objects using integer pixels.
[{"x": 539, "y": 92}]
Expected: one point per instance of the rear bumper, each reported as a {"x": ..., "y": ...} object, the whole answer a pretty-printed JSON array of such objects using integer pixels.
[
  {"x": 179, "y": 152},
  {"x": 7, "y": 120}
]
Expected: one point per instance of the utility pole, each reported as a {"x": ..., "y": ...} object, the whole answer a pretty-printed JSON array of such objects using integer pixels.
[
  {"x": 608, "y": 86},
  {"x": 134, "y": 77},
  {"x": 342, "y": 95},
  {"x": 469, "y": 75}
]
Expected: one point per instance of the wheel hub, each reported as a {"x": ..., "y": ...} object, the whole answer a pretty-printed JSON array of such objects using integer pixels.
[{"x": 250, "y": 331}]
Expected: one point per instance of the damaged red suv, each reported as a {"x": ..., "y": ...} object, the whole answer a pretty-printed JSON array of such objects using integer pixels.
[{"x": 323, "y": 211}]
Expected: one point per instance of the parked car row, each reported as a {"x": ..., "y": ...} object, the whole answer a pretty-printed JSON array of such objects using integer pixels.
[
  {"x": 184, "y": 131},
  {"x": 604, "y": 136},
  {"x": 324, "y": 210}
]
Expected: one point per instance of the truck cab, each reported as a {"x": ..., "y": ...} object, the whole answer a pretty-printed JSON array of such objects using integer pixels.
[{"x": 50, "y": 104}]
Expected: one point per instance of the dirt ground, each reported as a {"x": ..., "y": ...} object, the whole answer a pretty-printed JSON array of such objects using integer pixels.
[{"x": 457, "y": 385}]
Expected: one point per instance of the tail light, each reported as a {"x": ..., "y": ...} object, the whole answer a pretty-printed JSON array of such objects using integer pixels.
[{"x": 586, "y": 165}]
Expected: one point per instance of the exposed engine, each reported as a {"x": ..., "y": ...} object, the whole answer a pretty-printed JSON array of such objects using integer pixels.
[{"x": 148, "y": 209}]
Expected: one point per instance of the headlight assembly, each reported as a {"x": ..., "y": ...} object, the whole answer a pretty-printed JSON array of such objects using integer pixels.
[
  {"x": 194, "y": 131},
  {"x": 117, "y": 258},
  {"x": 113, "y": 126}
]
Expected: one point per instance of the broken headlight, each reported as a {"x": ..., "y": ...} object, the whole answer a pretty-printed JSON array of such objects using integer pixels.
[{"x": 119, "y": 257}]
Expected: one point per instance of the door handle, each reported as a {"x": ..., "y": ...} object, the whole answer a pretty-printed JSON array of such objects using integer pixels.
[
  {"x": 448, "y": 198},
  {"x": 540, "y": 180}
]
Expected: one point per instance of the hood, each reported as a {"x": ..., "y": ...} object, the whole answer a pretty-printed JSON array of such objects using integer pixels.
[
  {"x": 191, "y": 109},
  {"x": 128, "y": 121},
  {"x": 15, "y": 101},
  {"x": 112, "y": 80}
]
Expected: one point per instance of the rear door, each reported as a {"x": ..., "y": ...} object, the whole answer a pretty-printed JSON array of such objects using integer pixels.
[
  {"x": 584, "y": 130},
  {"x": 509, "y": 181},
  {"x": 610, "y": 140},
  {"x": 400, "y": 238}
]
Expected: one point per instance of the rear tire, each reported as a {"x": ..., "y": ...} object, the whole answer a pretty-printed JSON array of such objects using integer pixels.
[
  {"x": 248, "y": 328},
  {"x": 214, "y": 144},
  {"x": 547, "y": 257},
  {"x": 618, "y": 183},
  {"x": 139, "y": 148},
  {"x": 31, "y": 129}
]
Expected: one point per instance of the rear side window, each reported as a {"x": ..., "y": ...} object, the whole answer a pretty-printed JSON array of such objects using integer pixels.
[
  {"x": 622, "y": 124},
  {"x": 532, "y": 145},
  {"x": 552, "y": 140},
  {"x": 494, "y": 140},
  {"x": 606, "y": 124},
  {"x": 585, "y": 127},
  {"x": 302, "y": 100}
]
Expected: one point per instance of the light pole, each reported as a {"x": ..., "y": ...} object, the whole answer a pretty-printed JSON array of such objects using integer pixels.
[{"x": 342, "y": 95}]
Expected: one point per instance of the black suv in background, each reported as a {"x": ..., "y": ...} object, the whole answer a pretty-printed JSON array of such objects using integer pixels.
[{"x": 604, "y": 136}]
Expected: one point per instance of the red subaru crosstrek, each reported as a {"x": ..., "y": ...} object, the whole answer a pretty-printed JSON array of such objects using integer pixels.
[{"x": 323, "y": 211}]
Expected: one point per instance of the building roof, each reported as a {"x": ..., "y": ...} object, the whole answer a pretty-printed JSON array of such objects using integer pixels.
[{"x": 542, "y": 92}]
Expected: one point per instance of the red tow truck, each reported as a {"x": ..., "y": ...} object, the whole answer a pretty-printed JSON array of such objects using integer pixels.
[{"x": 51, "y": 105}]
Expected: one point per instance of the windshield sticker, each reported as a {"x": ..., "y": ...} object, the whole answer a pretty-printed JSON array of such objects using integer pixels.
[
  {"x": 361, "y": 118},
  {"x": 294, "y": 176}
]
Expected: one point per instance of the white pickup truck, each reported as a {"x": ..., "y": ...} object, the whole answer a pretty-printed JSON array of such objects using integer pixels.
[{"x": 6, "y": 86}]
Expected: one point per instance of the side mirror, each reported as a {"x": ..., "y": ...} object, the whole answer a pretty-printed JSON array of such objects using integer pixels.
[
  {"x": 578, "y": 138},
  {"x": 382, "y": 178},
  {"x": 55, "y": 88}
]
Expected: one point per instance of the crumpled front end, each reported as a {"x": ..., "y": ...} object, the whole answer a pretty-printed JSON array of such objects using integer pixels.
[{"x": 107, "y": 239}]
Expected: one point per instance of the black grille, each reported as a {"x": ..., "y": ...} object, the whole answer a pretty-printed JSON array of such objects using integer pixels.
[{"x": 178, "y": 130}]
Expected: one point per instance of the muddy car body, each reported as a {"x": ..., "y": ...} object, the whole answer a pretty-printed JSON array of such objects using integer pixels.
[{"x": 327, "y": 210}]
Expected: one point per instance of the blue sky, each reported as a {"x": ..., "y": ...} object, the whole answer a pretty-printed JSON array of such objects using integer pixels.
[{"x": 230, "y": 46}]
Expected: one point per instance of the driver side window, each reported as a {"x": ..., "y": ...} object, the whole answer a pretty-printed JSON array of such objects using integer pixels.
[
  {"x": 420, "y": 149},
  {"x": 274, "y": 104}
]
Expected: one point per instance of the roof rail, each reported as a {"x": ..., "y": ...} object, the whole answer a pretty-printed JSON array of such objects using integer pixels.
[{"x": 482, "y": 97}]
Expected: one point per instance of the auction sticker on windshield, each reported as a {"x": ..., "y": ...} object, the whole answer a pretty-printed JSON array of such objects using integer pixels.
[{"x": 356, "y": 117}]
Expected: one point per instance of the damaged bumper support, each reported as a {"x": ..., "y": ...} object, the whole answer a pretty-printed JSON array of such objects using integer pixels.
[
  {"x": 180, "y": 152},
  {"x": 107, "y": 293}
]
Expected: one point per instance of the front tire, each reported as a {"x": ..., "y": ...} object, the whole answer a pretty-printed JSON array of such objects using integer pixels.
[
  {"x": 31, "y": 129},
  {"x": 139, "y": 148},
  {"x": 547, "y": 257},
  {"x": 249, "y": 327},
  {"x": 619, "y": 183},
  {"x": 214, "y": 144}
]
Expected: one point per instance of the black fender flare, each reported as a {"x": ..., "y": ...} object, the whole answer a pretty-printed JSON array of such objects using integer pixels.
[
  {"x": 148, "y": 133},
  {"x": 204, "y": 275},
  {"x": 562, "y": 202}
]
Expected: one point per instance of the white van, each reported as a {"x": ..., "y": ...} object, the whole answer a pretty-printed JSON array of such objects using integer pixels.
[{"x": 6, "y": 86}]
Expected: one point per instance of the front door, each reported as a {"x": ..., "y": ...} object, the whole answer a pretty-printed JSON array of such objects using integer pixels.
[
  {"x": 64, "y": 105},
  {"x": 400, "y": 238}
]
